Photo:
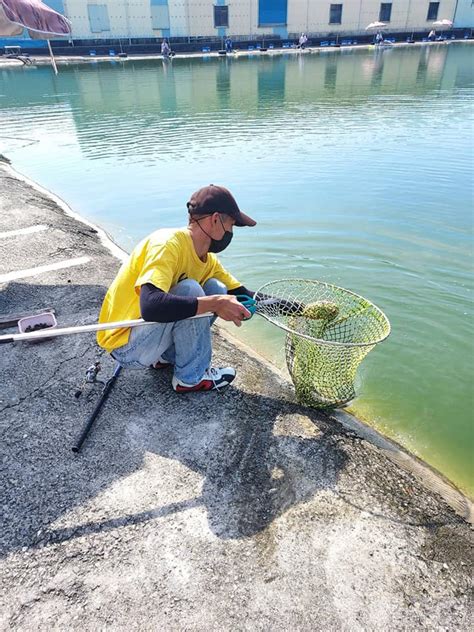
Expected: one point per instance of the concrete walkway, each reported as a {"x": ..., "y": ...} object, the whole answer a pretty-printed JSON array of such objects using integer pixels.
[{"x": 225, "y": 511}]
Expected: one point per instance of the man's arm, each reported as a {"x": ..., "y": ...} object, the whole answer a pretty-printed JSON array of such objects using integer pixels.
[{"x": 162, "y": 307}]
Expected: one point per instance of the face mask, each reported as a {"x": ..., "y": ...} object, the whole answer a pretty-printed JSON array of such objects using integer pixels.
[{"x": 218, "y": 245}]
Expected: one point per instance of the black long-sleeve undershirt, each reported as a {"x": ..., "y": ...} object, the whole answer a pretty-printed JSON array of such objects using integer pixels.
[{"x": 163, "y": 307}]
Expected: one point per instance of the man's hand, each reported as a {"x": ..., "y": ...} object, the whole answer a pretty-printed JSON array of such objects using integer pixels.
[{"x": 225, "y": 306}]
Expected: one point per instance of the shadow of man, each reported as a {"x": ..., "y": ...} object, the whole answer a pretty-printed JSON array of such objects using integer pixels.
[{"x": 258, "y": 455}]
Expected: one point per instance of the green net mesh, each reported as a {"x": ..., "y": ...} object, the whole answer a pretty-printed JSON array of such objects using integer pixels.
[{"x": 329, "y": 331}]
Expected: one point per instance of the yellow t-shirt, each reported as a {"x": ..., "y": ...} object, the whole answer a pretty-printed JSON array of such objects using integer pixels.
[{"x": 163, "y": 258}]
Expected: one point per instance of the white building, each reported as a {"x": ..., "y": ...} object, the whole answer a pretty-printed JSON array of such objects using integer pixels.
[{"x": 140, "y": 19}]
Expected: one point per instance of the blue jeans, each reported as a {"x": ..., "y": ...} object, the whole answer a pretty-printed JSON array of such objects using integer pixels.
[{"x": 184, "y": 343}]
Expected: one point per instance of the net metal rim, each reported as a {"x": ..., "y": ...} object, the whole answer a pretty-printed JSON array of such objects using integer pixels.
[{"x": 320, "y": 340}]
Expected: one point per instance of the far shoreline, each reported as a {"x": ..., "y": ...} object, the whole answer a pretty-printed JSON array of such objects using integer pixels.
[{"x": 44, "y": 60}]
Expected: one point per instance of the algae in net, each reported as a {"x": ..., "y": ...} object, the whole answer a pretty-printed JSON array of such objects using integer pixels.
[{"x": 329, "y": 332}]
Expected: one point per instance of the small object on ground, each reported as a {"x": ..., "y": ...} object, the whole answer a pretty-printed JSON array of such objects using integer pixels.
[
  {"x": 36, "y": 327},
  {"x": 90, "y": 378},
  {"x": 30, "y": 324},
  {"x": 92, "y": 372},
  {"x": 10, "y": 320}
]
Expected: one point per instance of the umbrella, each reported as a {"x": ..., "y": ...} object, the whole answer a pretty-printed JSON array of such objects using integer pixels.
[
  {"x": 35, "y": 16},
  {"x": 447, "y": 24},
  {"x": 443, "y": 24},
  {"x": 375, "y": 25}
]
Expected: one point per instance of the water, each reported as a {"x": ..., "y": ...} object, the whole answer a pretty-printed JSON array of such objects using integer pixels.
[{"x": 357, "y": 166}]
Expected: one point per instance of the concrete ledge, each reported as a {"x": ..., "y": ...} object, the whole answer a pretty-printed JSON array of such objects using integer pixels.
[
  {"x": 40, "y": 60},
  {"x": 217, "y": 511}
]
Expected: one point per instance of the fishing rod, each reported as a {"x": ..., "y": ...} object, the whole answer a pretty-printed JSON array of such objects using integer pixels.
[
  {"x": 50, "y": 332},
  {"x": 105, "y": 393},
  {"x": 249, "y": 303}
]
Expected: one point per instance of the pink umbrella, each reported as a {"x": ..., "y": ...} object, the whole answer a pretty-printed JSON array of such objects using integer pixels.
[{"x": 35, "y": 16}]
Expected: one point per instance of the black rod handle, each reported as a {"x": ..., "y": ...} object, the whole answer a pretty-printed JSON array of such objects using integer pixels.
[{"x": 105, "y": 393}]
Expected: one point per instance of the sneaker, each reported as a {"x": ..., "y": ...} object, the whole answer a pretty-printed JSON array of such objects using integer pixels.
[
  {"x": 161, "y": 364},
  {"x": 213, "y": 379}
]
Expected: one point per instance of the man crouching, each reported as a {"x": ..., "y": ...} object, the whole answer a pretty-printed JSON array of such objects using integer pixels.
[{"x": 170, "y": 276}]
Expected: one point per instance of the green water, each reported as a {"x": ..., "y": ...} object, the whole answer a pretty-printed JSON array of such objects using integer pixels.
[{"x": 357, "y": 166}]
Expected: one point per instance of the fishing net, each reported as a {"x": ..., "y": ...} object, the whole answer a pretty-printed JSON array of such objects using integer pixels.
[{"x": 329, "y": 331}]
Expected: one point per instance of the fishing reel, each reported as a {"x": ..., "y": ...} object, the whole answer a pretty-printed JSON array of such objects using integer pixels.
[{"x": 90, "y": 378}]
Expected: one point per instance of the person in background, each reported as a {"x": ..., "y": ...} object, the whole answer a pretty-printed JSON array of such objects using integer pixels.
[
  {"x": 165, "y": 48},
  {"x": 228, "y": 45},
  {"x": 302, "y": 41},
  {"x": 432, "y": 35},
  {"x": 171, "y": 276},
  {"x": 379, "y": 38}
]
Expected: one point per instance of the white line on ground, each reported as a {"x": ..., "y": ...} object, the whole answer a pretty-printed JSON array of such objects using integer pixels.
[
  {"x": 24, "y": 231},
  {"x": 117, "y": 252},
  {"x": 60, "y": 265}
]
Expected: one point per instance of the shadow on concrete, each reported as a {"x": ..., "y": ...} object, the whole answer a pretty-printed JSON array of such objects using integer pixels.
[
  {"x": 250, "y": 475},
  {"x": 252, "y": 471},
  {"x": 258, "y": 454}
]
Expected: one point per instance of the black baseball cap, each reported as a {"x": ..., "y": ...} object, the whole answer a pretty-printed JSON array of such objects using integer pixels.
[{"x": 215, "y": 199}]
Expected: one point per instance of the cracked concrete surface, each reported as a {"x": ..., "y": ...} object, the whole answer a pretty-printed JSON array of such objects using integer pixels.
[{"x": 235, "y": 510}]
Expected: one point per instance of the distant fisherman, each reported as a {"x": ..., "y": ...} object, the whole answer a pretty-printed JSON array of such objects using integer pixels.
[
  {"x": 165, "y": 49},
  {"x": 303, "y": 39}
]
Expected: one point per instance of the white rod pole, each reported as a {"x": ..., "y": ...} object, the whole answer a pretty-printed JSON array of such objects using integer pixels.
[
  {"x": 84, "y": 329},
  {"x": 53, "y": 61},
  {"x": 81, "y": 329}
]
